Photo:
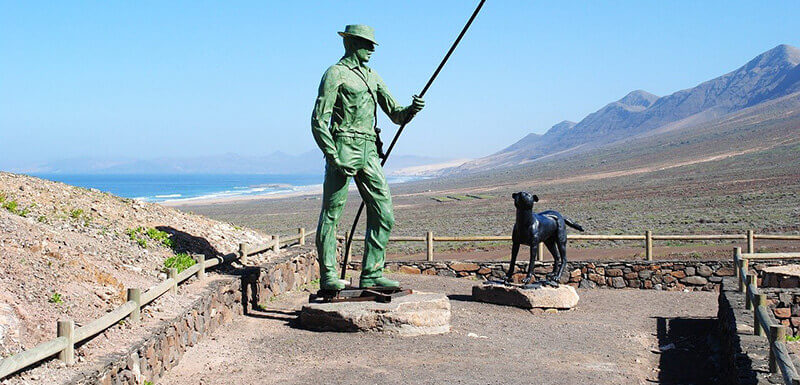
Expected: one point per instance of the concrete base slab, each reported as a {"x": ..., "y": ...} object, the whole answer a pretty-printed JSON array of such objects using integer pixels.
[
  {"x": 418, "y": 313},
  {"x": 562, "y": 297}
]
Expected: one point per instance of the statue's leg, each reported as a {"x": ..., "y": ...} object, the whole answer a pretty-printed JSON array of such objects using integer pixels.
[
  {"x": 534, "y": 251},
  {"x": 562, "y": 251},
  {"x": 513, "y": 264},
  {"x": 334, "y": 197},
  {"x": 380, "y": 218},
  {"x": 551, "y": 246}
]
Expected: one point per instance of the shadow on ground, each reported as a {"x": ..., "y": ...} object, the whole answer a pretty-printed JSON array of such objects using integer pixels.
[{"x": 689, "y": 351}]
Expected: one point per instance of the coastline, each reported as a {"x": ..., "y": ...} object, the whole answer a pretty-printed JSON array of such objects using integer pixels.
[{"x": 200, "y": 201}]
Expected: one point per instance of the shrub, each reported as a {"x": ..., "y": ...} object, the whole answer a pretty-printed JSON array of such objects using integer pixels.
[
  {"x": 180, "y": 261},
  {"x": 161, "y": 237},
  {"x": 56, "y": 298}
]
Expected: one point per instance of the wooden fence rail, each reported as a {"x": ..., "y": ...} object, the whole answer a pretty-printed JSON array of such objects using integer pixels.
[
  {"x": 68, "y": 336},
  {"x": 779, "y": 359},
  {"x": 648, "y": 237}
]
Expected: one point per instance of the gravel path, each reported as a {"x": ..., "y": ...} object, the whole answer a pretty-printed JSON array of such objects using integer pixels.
[{"x": 610, "y": 338}]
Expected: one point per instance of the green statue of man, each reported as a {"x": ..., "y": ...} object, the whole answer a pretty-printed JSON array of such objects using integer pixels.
[{"x": 344, "y": 126}]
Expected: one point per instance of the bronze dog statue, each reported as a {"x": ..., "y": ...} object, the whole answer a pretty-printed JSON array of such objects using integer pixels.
[{"x": 549, "y": 227}]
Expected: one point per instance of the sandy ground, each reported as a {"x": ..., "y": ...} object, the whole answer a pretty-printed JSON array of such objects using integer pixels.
[{"x": 612, "y": 337}]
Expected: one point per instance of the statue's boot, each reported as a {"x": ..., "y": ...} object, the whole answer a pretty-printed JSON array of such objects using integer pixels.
[
  {"x": 333, "y": 284},
  {"x": 378, "y": 282}
]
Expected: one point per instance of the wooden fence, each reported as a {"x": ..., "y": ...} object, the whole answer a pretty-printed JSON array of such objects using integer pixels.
[
  {"x": 648, "y": 237},
  {"x": 762, "y": 325},
  {"x": 67, "y": 335}
]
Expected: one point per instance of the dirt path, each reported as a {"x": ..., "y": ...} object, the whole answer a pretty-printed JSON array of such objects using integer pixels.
[{"x": 609, "y": 338}]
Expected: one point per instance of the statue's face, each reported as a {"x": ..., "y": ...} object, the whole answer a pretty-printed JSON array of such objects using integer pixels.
[{"x": 362, "y": 48}]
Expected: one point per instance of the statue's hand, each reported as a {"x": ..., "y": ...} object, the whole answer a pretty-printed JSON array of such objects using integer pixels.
[
  {"x": 343, "y": 168},
  {"x": 417, "y": 104}
]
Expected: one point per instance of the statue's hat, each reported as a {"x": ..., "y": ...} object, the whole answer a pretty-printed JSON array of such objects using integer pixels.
[{"x": 360, "y": 30}]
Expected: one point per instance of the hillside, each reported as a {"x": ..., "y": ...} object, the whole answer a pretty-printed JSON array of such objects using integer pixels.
[
  {"x": 769, "y": 76},
  {"x": 70, "y": 253}
]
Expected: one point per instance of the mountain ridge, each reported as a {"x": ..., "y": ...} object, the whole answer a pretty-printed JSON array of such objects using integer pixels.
[{"x": 770, "y": 75}]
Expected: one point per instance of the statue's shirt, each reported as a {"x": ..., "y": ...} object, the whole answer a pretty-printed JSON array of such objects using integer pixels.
[{"x": 346, "y": 104}]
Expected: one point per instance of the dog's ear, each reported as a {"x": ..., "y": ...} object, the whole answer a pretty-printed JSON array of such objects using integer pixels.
[
  {"x": 535, "y": 198},
  {"x": 514, "y": 195}
]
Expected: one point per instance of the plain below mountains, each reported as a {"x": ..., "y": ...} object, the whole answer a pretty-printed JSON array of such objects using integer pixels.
[{"x": 768, "y": 77}]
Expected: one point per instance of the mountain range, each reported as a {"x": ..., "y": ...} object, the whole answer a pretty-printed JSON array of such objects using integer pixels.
[
  {"x": 310, "y": 162},
  {"x": 769, "y": 76}
]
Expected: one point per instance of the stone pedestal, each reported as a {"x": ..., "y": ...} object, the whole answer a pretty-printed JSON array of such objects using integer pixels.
[
  {"x": 414, "y": 314},
  {"x": 562, "y": 297}
]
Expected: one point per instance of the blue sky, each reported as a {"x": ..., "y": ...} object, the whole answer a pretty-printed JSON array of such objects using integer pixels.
[{"x": 149, "y": 79}]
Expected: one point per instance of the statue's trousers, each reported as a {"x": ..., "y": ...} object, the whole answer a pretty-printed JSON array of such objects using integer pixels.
[{"x": 360, "y": 153}]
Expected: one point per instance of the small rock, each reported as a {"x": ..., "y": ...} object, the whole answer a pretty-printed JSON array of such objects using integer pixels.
[
  {"x": 782, "y": 312},
  {"x": 695, "y": 280}
]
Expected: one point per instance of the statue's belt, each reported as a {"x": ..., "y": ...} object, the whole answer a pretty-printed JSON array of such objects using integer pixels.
[{"x": 356, "y": 135}]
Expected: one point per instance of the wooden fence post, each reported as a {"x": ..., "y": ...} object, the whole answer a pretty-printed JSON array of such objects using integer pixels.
[
  {"x": 751, "y": 248},
  {"x": 67, "y": 329},
  {"x": 173, "y": 274},
  {"x": 302, "y": 232},
  {"x": 276, "y": 247},
  {"x": 761, "y": 300},
  {"x": 748, "y": 303},
  {"x": 737, "y": 254},
  {"x": 244, "y": 249},
  {"x": 746, "y": 270},
  {"x": 540, "y": 252},
  {"x": 429, "y": 243},
  {"x": 776, "y": 333},
  {"x": 135, "y": 295},
  {"x": 648, "y": 245},
  {"x": 201, "y": 264}
]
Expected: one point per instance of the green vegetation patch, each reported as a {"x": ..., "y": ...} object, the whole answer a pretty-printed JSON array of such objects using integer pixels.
[
  {"x": 140, "y": 235},
  {"x": 460, "y": 197},
  {"x": 161, "y": 237},
  {"x": 13, "y": 207},
  {"x": 479, "y": 196},
  {"x": 442, "y": 199},
  {"x": 180, "y": 261},
  {"x": 56, "y": 298},
  {"x": 80, "y": 215}
]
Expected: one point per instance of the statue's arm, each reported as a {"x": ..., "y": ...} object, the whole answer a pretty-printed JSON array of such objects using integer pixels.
[
  {"x": 397, "y": 113},
  {"x": 323, "y": 108}
]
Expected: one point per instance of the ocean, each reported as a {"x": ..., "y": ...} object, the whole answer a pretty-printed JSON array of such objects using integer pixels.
[{"x": 161, "y": 188}]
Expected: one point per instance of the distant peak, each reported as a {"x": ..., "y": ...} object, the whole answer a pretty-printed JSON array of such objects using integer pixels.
[
  {"x": 783, "y": 53},
  {"x": 565, "y": 123},
  {"x": 638, "y": 98}
]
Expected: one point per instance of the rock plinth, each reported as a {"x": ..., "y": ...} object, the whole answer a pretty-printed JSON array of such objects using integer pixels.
[
  {"x": 418, "y": 313},
  {"x": 562, "y": 297}
]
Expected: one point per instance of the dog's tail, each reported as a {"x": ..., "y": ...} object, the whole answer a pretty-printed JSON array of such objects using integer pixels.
[{"x": 572, "y": 224}]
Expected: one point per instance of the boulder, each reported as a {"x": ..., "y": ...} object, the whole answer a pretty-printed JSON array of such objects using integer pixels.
[
  {"x": 415, "y": 314},
  {"x": 464, "y": 266},
  {"x": 695, "y": 280},
  {"x": 562, "y": 297}
]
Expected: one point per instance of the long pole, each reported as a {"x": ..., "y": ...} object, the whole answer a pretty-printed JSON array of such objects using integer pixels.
[{"x": 403, "y": 126}]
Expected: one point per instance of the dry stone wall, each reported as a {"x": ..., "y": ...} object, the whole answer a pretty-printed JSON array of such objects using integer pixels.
[
  {"x": 223, "y": 298},
  {"x": 657, "y": 275}
]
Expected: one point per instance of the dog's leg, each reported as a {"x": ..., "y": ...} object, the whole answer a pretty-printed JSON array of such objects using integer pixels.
[
  {"x": 513, "y": 264},
  {"x": 562, "y": 250},
  {"x": 534, "y": 251},
  {"x": 555, "y": 275}
]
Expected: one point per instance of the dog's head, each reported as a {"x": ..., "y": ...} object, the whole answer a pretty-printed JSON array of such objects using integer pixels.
[{"x": 524, "y": 199}]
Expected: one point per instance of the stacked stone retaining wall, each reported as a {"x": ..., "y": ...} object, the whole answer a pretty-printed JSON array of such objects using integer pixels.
[
  {"x": 657, "y": 275},
  {"x": 225, "y": 296}
]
